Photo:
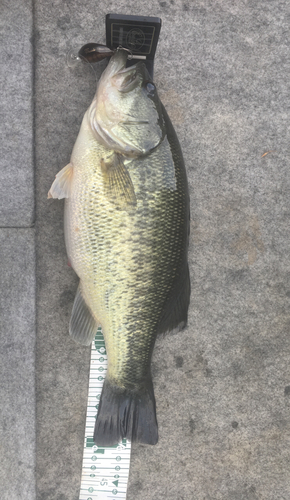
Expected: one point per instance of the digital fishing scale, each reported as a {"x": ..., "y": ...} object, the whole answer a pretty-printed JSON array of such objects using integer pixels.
[
  {"x": 137, "y": 34},
  {"x": 105, "y": 470}
]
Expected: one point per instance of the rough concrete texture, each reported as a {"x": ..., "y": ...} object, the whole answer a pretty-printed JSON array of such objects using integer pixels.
[
  {"x": 17, "y": 375},
  {"x": 16, "y": 115},
  {"x": 223, "y": 385}
]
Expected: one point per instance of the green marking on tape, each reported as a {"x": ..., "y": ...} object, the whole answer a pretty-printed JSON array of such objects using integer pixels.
[
  {"x": 89, "y": 442},
  {"x": 116, "y": 482},
  {"x": 100, "y": 450},
  {"x": 100, "y": 342}
]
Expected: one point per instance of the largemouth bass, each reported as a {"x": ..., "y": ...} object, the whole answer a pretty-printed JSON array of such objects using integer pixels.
[{"x": 126, "y": 232}]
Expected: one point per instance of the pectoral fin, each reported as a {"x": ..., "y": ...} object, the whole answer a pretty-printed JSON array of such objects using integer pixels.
[
  {"x": 83, "y": 326},
  {"x": 61, "y": 185},
  {"x": 118, "y": 185}
]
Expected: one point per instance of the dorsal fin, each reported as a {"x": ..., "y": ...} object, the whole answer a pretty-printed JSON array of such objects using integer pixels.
[{"x": 175, "y": 313}]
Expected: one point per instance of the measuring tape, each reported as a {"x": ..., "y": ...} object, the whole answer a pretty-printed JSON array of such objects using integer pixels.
[{"x": 105, "y": 470}]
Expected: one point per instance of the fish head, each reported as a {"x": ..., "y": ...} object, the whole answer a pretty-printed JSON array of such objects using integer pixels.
[{"x": 126, "y": 113}]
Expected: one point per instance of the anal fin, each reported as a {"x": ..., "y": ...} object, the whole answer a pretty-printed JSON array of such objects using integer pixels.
[
  {"x": 60, "y": 187},
  {"x": 118, "y": 185},
  {"x": 83, "y": 326}
]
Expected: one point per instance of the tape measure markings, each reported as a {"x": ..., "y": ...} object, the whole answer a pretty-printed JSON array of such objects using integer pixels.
[{"x": 105, "y": 470}]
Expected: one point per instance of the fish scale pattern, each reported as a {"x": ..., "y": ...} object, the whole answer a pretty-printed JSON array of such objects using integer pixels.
[{"x": 129, "y": 261}]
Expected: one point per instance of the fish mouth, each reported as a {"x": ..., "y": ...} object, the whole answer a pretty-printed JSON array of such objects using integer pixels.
[
  {"x": 125, "y": 79},
  {"x": 128, "y": 79}
]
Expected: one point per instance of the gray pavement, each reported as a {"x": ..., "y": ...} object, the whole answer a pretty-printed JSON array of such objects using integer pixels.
[
  {"x": 17, "y": 255},
  {"x": 16, "y": 112},
  {"x": 17, "y": 373},
  {"x": 222, "y": 386}
]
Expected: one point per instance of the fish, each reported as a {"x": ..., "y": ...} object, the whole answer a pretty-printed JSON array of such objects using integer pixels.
[{"x": 126, "y": 227}]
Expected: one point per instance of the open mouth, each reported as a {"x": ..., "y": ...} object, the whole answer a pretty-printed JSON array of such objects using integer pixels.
[{"x": 128, "y": 78}]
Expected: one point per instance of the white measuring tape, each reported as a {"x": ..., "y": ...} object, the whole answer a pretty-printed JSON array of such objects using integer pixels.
[{"x": 105, "y": 469}]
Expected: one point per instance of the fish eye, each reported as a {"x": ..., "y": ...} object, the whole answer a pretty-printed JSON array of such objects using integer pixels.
[{"x": 150, "y": 87}]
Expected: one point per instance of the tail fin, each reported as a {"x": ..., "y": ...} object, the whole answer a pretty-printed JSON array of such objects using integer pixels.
[{"x": 126, "y": 413}]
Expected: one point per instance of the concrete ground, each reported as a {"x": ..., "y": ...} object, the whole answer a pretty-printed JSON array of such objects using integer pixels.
[{"x": 222, "y": 386}]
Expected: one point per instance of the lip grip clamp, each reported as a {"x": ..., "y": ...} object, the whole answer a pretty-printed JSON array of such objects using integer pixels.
[{"x": 138, "y": 34}]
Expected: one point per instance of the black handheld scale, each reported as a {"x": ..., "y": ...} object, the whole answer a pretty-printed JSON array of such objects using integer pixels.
[{"x": 138, "y": 34}]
